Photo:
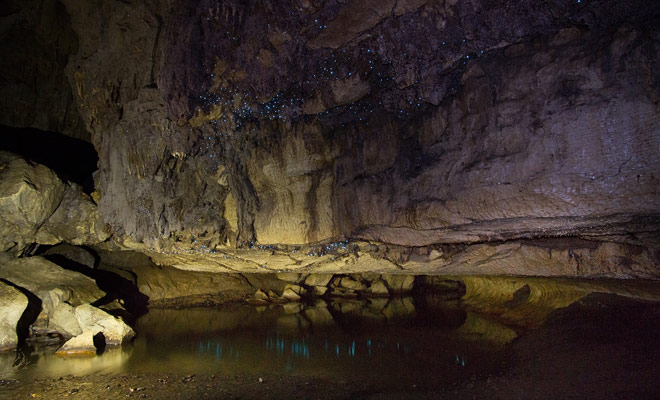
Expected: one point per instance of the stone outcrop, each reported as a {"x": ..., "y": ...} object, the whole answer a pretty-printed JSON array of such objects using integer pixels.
[
  {"x": 50, "y": 282},
  {"x": 76, "y": 221},
  {"x": 58, "y": 289},
  {"x": 95, "y": 320},
  {"x": 12, "y": 305},
  {"x": 64, "y": 298},
  {"x": 81, "y": 345},
  {"x": 257, "y": 137},
  {"x": 549, "y": 257},
  {"x": 37, "y": 207},
  {"x": 29, "y": 194},
  {"x": 172, "y": 287}
]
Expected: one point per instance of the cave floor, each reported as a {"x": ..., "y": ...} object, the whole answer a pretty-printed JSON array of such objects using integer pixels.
[{"x": 602, "y": 346}]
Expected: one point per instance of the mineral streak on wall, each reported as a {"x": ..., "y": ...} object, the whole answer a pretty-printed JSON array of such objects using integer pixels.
[{"x": 500, "y": 137}]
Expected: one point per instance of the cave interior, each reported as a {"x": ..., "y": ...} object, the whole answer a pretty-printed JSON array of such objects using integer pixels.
[{"x": 338, "y": 161}]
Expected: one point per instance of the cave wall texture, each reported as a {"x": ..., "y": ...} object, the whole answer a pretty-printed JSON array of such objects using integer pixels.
[{"x": 505, "y": 130}]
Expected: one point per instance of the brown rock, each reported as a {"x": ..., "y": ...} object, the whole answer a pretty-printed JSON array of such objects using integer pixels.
[
  {"x": 29, "y": 194},
  {"x": 378, "y": 288},
  {"x": 399, "y": 283}
]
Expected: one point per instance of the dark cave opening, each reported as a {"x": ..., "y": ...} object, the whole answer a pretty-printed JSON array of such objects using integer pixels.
[{"x": 73, "y": 160}]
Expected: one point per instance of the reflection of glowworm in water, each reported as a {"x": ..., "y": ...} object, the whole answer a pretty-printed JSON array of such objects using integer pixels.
[
  {"x": 296, "y": 348},
  {"x": 218, "y": 350},
  {"x": 460, "y": 361},
  {"x": 276, "y": 344},
  {"x": 300, "y": 348}
]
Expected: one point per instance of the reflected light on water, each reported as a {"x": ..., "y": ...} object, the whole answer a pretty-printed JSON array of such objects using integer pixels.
[{"x": 408, "y": 347}]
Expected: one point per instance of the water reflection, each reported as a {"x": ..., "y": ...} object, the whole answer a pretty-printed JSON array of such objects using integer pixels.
[
  {"x": 42, "y": 362},
  {"x": 388, "y": 344}
]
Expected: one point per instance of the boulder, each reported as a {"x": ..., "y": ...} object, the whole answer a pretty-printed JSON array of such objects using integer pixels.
[
  {"x": 378, "y": 288},
  {"x": 293, "y": 292},
  {"x": 290, "y": 295},
  {"x": 288, "y": 276},
  {"x": 352, "y": 284},
  {"x": 399, "y": 284},
  {"x": 94, "y": 319},
  {"x": 50, "y": 282},
  {"x": 260, "y": 295},
  {"x": 59, "y": 290},
  {"x": 319, "y": 290},
  {"x": 29, "y": 194},
  {"x": 318, "y": 279},
  {"x": 81, "y": 345},
  {"x": 12, "y": 305},
  {"x": 76, "y": 254},
  {"x": 63, "y": 320},
  {"x": 75, "y": 221},
  {"x": 342, "y": 292},
  {"x": 398, "y": 308},
  {"x": 273, "y": 295}
]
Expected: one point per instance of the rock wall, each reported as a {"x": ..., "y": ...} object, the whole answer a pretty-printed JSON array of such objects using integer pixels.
[{"x": 480, "y": 125}]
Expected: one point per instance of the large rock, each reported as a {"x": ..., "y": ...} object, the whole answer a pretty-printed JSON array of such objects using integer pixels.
[
  {"x": 351, "y": 283},
  {"x": 12, "y": 305},
  {"x": 29, "y": 194},
  {"x": 37, "y": 207},
  {"x": 59, "y": 290},
  {"x": 92, "y": 319},
  {"x": 76, "y": 221},
  {"x": 50, "y": 282},
  {"x": 399, "y": 284},
  {"x": 168, "y": 286},
  {"x": 318, "y": 279},
  {"x": 293, "y": 292},
  {"x": 77, "y": 254},
  {"x": 81, "y": 345},
  {"x": 378, "y": 288}
]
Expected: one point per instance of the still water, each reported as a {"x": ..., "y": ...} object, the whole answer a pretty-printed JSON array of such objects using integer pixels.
[{"x": 392, "y": 344}]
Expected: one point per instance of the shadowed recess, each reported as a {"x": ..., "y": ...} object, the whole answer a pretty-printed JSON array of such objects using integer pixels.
[{"x": 72, "y": 159}]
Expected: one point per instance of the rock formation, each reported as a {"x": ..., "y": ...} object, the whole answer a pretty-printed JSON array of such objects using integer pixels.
[
  {"x": 63, "y": 298},
  {"x": 341, "y": 137},
  {"x": 14, "y": 304}
]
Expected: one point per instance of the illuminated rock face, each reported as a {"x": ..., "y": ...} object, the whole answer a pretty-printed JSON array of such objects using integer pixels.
[
  {"x": 453, "y": 137},
  {"x": 13, "y": 306}
]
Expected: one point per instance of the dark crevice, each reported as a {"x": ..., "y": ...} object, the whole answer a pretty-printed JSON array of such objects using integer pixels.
[
  {"x": 73, "y": 160},
  {"x": 99, "y": 342},
  {"x": 115, "y": 286},
  {"x": 30, "y": 314}
]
